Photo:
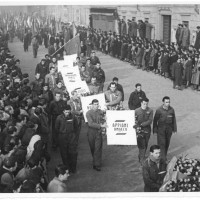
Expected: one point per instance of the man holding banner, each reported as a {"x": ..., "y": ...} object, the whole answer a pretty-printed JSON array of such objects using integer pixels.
[{"x": 94, "y": 118}]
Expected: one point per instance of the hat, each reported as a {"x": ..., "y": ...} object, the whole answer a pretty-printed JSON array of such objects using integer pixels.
[
  {"x": 25, "y": 82},
  {"x": 67, "y": 107},
  {"x": 6, "y": 179},
  {"x": 14, "y": 74},
  {"x": 45, "y": 84},
  {"x": 22, "y": 175},
  {"x": 28, "y": 187},
  {"x": 25, "y": 75},
  {"x": 9, "y": 162},
  {"x": 13, "y": 94}
]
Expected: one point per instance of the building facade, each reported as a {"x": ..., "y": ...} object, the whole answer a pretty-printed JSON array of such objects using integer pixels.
[{"x": 164, "y": 18}]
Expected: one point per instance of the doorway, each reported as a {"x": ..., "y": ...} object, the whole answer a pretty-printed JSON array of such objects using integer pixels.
[{"x": 167, "y": 29}]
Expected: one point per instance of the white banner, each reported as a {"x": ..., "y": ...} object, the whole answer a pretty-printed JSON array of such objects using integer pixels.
[
  {"x": 70, "y": 74},
  {"x": 61, "y": 63},
  {"x": 86, "y": 101},
  {"x": 81, "y": 87},
  {"x": 120, "y": 129},
  {"x": 70, "y": 59}
]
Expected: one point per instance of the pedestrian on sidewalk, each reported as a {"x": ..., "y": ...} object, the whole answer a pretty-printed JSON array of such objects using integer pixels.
[{"x": 164, "y": 125}]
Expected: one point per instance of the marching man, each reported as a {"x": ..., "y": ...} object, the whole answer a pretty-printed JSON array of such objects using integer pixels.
[
  {"x": 94, "y": 118},
  {"x": 144, "y": 116}
]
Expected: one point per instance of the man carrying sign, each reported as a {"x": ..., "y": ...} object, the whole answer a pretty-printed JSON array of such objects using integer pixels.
[{"x": 94, "y": 118}]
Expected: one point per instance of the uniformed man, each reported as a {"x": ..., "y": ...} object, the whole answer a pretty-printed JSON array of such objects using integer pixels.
[
  {"x": 164, "y": 124},
  {"x": 66, "y": 127},
  {"x": 113, "y": 97},
  {"x": 94, "y": 118},
  {"x": 144, "y": 116}
]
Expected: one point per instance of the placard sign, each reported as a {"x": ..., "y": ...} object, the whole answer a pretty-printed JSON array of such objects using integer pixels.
[{"x": 120, "y": 129}]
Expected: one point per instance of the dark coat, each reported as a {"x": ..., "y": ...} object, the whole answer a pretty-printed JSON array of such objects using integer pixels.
[
  {"x": 124, "y": 50},
  {"x": 188, "y": 70},
  {"x": 26, "y": 41},
  {"x": 155, "y": 61},
  {"x": 153, "y": 180},
  {"x": 42, "y": 70},
  {"x": 177, "y": 73},
  {"x": 134, "y": 29},
  {"x": 142, "y": 30},
  {"x": 139, "y": 56},
  {"x": 197, "y": 41},
  {"x": 66, "y": 125},
  {"x": 56, "y": 107},
  {"x": 94, "y": 60},
  {"x": 165, "y": 63},
  {"x": 100, "y": 74},
  {"x": 179, "y": 33},
  {"x": 148, "y": 30},
  {"x": 186, "y": 37},
  {"x": 135, "y": 99},
  {"x": 123, "y": 28}
]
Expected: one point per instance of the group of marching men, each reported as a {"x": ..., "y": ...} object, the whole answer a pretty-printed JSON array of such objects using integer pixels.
[{"x": 31, "y": 111}]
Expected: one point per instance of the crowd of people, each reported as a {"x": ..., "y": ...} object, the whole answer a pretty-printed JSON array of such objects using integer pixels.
[
  {"x": 31, "y": 112},
  {"x": 178, "y": 61},
  {"x": 40, "y": 115}
]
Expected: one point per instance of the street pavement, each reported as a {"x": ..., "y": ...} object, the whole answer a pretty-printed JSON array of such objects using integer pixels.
[{"x": 120, "y": 170}]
